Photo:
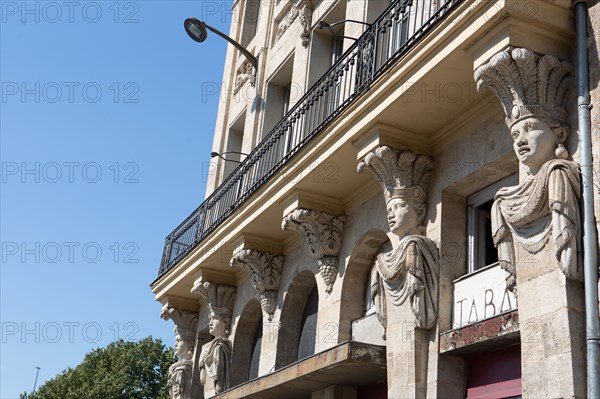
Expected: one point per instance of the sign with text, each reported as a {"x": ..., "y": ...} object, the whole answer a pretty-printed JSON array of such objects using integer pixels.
[{"x": 481, "y": 295}]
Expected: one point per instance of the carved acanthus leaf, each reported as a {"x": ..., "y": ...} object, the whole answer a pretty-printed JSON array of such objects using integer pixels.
[
  {"x": 322, "y": 234},
  {"x": 265, "y": 269}
]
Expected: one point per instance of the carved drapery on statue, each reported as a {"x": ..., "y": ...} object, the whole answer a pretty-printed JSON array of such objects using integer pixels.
[
  {"x": 265, "y": 269},
  {"x": 322, "y": 233},
  {"x": 411, "y": 269},
  {"x": 544, "y": 206},
  {"x": 215, "y": 356},
  {"x": 180, "y": 373}
]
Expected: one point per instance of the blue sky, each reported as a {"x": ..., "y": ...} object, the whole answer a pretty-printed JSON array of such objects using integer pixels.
[{"x": 107, "y": 116}]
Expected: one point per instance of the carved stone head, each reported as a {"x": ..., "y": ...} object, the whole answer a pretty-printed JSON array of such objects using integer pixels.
[
  {"x": 532, "y": 91},
  {"x": 404, "y": 177}
]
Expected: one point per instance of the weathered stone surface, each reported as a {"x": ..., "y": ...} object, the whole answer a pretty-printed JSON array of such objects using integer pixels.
[
  {"x": 180, "y": 377},
  {"x": 322, "y": 234},
  {"x": 536, "y": 224},
  {"x": 265, "y": 269}
]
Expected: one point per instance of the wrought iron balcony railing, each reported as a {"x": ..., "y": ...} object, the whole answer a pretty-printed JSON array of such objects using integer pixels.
[{"x": 390, "y": 36}]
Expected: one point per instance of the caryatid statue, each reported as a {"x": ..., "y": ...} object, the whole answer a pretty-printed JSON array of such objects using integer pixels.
[
  {"x": 544, "y": 206},
  {"x": 215, "y": 356},
  {"x": 410, "y": 271},
  {"x": 180, "y": 373}
]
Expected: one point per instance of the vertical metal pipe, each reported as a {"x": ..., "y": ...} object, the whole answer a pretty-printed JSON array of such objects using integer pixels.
[{"x": 590, "y": 241}]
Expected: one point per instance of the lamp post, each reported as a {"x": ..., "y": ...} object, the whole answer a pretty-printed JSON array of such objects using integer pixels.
[
  {"x": 36, "y": 378},
  {"x": 196, "y": 29}
]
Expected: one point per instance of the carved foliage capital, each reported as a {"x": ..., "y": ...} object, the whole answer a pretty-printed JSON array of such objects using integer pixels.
[
  {"x": 265, "y": 269},
  {"x": 322, "y": 234},
  {"x": 321, "y": 231}
]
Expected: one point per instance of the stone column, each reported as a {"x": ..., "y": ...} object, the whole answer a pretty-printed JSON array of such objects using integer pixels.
[{"x": 536, "y": 225}]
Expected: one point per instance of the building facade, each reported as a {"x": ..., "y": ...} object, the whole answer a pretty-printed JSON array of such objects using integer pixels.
[{"x": 396, "y": 210}]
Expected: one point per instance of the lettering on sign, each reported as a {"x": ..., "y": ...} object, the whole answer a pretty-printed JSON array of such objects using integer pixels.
[{"x": 480, "y": 296}]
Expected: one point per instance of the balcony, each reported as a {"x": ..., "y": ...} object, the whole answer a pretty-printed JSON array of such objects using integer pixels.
[{"x": 393, "y": 34}]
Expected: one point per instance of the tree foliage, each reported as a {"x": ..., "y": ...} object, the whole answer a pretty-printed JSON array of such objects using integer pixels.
[{"x": 121, "y": 370}]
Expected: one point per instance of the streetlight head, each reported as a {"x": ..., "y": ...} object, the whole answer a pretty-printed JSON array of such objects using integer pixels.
[
  {"x": 195, "y": 29},
  {"x": 214, "y": 154},
  {"x": 322, "y": 24}
]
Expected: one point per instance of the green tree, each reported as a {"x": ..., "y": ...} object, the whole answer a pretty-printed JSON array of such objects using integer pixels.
[{"x": 121, "y": 370}]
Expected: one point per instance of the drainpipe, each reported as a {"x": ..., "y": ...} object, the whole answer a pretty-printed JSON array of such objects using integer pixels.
[{"x": 590, "y": 251}]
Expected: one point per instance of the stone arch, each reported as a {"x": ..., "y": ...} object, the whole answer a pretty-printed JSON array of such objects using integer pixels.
[
  {"x": 357, "y": 271},
  {"x": 291, "y": 318},
  {"x": 241, "y": 355}
]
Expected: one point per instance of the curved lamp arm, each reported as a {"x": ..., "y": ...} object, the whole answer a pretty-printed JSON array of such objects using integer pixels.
[{"x": 196, "y": 29}]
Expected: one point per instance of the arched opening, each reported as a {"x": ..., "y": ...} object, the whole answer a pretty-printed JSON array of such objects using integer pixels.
[
  {"x": 355, "y": 302},
  {"x": 308, "y": 325},
  {"x": 245, "y": 356},
  {"x": 255, "y": 352},
  {"x": 297, "y": 331}
]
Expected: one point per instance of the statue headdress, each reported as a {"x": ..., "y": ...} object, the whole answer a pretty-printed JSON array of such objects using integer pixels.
[
  {"x": 184, "y": 320},
  {"x": 402, "y": 173},
  {"x": 220, "y": 298},
  {"x": 527, "y": 84}
]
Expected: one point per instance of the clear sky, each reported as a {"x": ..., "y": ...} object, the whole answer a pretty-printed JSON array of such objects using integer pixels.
[{"x": 107, "y": 116}]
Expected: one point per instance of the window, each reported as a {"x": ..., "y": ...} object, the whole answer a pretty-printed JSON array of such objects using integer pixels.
[
  {"x": 481, "y": 249},
  {"x": 279, "y": 96},
  {"x": 233, "y": 147},
  {"x": 251, "y": 16},
  {"x": 256, "y": 346},
  {"x": 308, "y": 325}
]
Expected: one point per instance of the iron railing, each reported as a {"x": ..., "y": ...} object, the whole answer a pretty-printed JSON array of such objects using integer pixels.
[{"x": 390, "y": 36}]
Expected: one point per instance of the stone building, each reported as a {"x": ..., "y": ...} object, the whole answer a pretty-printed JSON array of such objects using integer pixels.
[{"x": 395, "y": 210}]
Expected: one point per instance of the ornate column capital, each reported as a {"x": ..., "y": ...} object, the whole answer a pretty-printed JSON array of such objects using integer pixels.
[
  {"x": 265, "y": 269},
  {"x": 322, "y": 234}
]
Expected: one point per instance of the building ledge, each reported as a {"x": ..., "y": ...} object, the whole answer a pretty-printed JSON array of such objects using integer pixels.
[
  {"x": 493, "y": 333},
  {"x": 350, "y": 363}
]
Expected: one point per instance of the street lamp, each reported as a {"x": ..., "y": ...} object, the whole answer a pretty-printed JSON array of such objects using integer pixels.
[
  {"x": 196, "y": 29},
  {"x": 220, "y": 155},
  {"x": 36, "y": 378}
]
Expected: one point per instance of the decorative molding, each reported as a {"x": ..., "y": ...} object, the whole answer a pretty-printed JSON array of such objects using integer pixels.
[
  {"x": 244, "y": 74},
  {"x": 302, "y": 10},
  {"x": 322, "y": 233},
  {"x": 307, "y": 200},
  {"x": 265, "y": 269}
]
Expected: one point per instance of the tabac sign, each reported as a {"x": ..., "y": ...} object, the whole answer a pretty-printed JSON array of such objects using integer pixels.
[{"x": 481, "y": 295}]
